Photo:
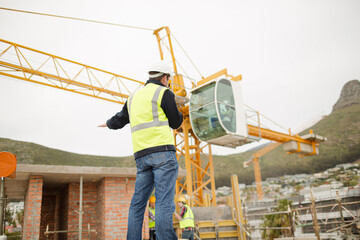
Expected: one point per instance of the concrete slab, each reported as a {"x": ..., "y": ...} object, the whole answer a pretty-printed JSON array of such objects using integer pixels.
[
  {"x": 57, "y": 176},
  {"x": 212, "y": 213}
]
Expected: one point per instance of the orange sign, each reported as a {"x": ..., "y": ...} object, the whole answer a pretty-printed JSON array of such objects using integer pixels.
[{"x": 7, "y": 164}]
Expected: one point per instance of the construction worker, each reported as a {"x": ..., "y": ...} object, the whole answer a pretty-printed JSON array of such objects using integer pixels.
[
  {"x": 186, "y": 219},
  {"x": 150, "y": 112},
  {"x": 151, "y": 209}
]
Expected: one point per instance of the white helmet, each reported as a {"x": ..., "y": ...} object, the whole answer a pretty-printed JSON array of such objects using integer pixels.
[{"x": 161, "y": 68}]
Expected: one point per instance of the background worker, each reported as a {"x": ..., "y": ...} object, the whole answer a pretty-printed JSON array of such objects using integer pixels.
[
  {"x": 152, "y": 218},
  {"x": 151, "y": 112},
  {"x": 186, "y": 219}
]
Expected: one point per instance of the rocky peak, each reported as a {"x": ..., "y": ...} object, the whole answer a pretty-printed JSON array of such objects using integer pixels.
[{"x": 350, "y": 94}]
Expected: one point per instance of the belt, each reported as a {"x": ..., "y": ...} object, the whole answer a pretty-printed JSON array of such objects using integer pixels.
[{"x": 188, "y": 229}]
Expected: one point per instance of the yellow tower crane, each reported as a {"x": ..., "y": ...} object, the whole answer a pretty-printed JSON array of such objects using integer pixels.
[
  {"x": 193, "y": 139},
  {"x": 299, "y": 147},
  {"x": 255, "y": 160}
]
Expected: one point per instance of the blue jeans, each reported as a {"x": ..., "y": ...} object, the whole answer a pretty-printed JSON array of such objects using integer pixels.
[
  {"x": 157, "y": 170},
  {"x": 187, "y": 235}
]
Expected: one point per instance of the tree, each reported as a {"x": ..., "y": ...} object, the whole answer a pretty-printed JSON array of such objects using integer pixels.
[
  {"x": 20, "y": 217},
  {"x": 298, "y": 187},
  {"x": 8, "y": 217},
  {"x": 352, "y": 183},
  {"x": 277, "y": 220}
]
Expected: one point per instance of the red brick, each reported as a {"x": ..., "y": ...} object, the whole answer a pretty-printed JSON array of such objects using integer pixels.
[{"x": 105, "y": 207}]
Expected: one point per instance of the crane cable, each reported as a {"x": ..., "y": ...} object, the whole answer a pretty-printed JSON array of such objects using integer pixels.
[
  {"x": 101, "y": 22},
  {"x": 187, "y": 55},
  {"x": 78, "y": 19}
]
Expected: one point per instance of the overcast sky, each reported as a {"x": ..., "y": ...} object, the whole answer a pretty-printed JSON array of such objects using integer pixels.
[{"x": 295, "y": 56}]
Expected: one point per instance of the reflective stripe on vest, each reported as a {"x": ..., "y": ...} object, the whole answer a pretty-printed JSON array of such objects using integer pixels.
[
  {"x": 188, "y": 218},
  {"x": 156, "y": 122},
  {"x": 149, "y": 124},
  {"x": 151, "y": 222}
]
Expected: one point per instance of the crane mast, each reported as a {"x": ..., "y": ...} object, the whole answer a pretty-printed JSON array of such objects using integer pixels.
[
  {"x": 199, "y": 183},
  {"x": 255, "y": 161}
]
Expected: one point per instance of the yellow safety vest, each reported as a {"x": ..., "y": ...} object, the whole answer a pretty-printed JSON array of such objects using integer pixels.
[
  {"x": 149, "y": 124},
  {"x": 151, "y": 222},
  {"x": 187, "y": 219}
]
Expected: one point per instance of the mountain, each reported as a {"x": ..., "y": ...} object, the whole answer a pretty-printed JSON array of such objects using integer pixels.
[
  {"x": 350, "y": 94},
  {"x": 341, "y": 127}
]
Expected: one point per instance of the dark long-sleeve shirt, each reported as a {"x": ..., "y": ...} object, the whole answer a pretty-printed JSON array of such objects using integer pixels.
[{"x": 168, "y": 104}]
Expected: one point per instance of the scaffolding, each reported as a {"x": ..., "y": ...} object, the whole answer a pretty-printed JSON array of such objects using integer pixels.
[
  {"x": 345, "y": 228},
  {"x": 80, "y": 230}
]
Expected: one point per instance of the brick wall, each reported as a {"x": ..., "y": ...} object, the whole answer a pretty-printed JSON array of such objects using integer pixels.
[
  {"x": 31, "y": 226},
  {"x": 100, "y": 210},
  {"x": 114, "y": 196},
  {"x": 115, "y": 201},
  {"x": 48, "y": 206},
  {"x": 89, "y": 210},
  {"x": 58, "y": 200},
  {"x": 105, "y": 208},
  {"x": 63, "y": 202}
]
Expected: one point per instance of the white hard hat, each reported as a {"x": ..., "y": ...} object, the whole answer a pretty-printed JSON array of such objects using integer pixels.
[{"x": 161, "y": 68}]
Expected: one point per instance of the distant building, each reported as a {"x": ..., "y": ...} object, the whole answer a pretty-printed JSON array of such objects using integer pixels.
[
  {"x": 335, "y": 169},
  {"x": 15, "y": 207},
  {"x": 318, "y": 175},
  {"x": 336, "y": 184},
  {"x": 273, "y": 180},
  {"x": 223, "y": 191},
  {"x": 328, "y": 216},
  {"x": 318, "y": 192},
  {"x": 346, "y": 165}
]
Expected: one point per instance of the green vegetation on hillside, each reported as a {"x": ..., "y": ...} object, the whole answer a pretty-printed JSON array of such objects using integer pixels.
[
  {"x": 31, "y": 153},
  {"x": 342, "y": 129}
]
